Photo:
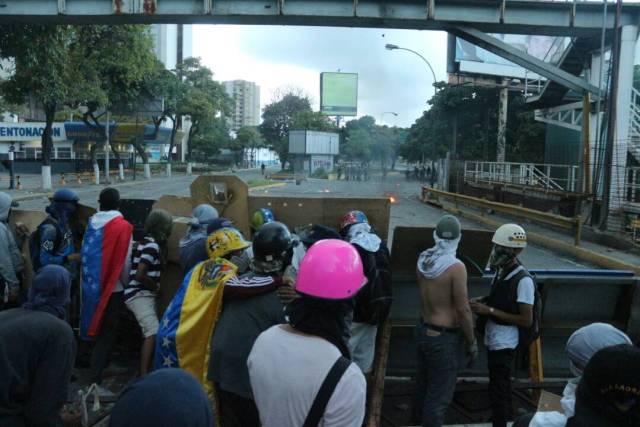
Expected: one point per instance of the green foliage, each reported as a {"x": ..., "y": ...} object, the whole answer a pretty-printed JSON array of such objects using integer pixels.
[
  {"x": 365, "y": 141},
  {"x": 320, "y": 173},
  {"x": 313, "y": 120},
  {"x": 213, "y": 136},
  {"x": 278, "y": 118}
]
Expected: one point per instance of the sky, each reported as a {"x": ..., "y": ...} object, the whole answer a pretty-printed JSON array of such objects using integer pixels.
[{"x": 276, "y": 56}]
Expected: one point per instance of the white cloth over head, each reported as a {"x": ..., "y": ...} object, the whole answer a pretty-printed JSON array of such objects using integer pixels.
[
  {"x": 436, "y": 260},
  {"x": 361, "y": 235}
]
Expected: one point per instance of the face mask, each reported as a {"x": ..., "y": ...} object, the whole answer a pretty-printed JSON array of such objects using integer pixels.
[{"x": 500, "y": 256}]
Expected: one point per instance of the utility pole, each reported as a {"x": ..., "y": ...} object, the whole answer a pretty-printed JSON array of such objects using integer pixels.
[
  {"x": 611, "y": 125},
  {"x": 586, "y": 146},
  {"x": 502, "y": 122}
]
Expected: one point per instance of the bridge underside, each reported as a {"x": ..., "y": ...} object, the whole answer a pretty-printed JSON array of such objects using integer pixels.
[{"x": 523, "y": 17}]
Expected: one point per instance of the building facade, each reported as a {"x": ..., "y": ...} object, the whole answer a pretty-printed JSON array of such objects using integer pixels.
[{"x": 246, "y": 107}]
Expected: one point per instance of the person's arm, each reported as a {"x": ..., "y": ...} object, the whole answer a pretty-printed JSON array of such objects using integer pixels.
[
  {"x": 126, "y": 267},
  {"x": 143, "y": 278},
  {"x": 525, "y": 300},
  {"x": 246, "y": 287},
  {"x": 51, "y": 380},
  {"x": 461, "y": 302}
]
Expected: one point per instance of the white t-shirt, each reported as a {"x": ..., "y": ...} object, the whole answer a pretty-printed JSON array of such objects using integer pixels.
[
  {"x": 500, "y": 337},
  {"x": 287, "y": 370}
]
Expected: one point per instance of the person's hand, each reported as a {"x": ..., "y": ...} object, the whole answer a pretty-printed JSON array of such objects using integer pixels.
[
  {"x": 75, "y": 257},
  {"x": 287, "y": 293},
  {"x": 71, "y": 417},
  {"x": 480, "y": 308},
  {"x": 22, "y": 230},
  {"x": 472, "y": 353}
]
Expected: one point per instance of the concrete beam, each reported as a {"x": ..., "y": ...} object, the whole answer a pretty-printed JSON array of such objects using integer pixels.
[
  {"x": 523, "y": 59},
  {"x": 508, "y": 16}
]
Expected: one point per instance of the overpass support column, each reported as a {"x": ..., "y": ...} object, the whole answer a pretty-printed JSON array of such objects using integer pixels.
[
  {"x": 596, "y": 123},
  {"x": 628, "y": 39},
  {"x": 501, "y": 145}
]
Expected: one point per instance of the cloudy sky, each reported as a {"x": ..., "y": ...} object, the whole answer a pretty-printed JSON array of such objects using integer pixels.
[
  {"x": 278, "y": 56},
  {"x": 275, "y": 57}
]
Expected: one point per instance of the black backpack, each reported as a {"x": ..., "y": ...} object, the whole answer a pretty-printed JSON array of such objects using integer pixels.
[
  {"x": 34, "y": 242},
  {"x": 373, "y": 302}
]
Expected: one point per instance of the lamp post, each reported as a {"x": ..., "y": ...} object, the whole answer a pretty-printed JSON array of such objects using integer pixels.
[
  {"x": 387, "y": 112},
  {"x": 396, "y": 47}
]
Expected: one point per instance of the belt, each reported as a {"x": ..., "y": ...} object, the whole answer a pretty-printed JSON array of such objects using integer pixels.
[{"x": 438, "y": 328}]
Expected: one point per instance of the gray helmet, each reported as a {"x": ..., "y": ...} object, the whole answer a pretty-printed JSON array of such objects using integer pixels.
[{"x": 448, "y": 227}]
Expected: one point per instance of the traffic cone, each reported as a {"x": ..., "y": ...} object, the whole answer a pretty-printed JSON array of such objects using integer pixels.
[
  {"x": 62, "y": 180},
  {"x": 19, "y": 184}
]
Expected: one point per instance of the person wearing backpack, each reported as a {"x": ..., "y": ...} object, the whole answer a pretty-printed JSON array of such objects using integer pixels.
[
  {"x": 300, "y": 371},
  {"x": 373, "y": 303},
  {"x": 52, "y": 242},
  {"x": 510, "y": 315}
]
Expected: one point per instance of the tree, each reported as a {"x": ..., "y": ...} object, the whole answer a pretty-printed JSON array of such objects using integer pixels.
[
  {"x": 249, "y": 139},
  {"x": 313, "y": 120},
  {"x": 358, "y": 145},
  {"x": 278, "y": 118},
  {"x": 212, "y": 138},
  {"x": 42, "y": 70}
]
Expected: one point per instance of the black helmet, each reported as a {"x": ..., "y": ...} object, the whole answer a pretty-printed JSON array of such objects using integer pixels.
[{"x": 272, "y": 248}]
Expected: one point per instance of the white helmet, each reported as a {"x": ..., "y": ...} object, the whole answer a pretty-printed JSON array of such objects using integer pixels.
[{"x": 510, "y": 236}]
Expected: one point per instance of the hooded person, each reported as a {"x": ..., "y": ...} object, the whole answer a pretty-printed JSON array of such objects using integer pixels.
[
  {"x": 313, "y": 346},
  {"x": 580, "y": 348},
  {"x": 445, "y": 318},
  {"x": 243, "y": 319},
  {"x": 165, "y": 398},
  {"x": 12, "y": 265},
  {"x": 372, "y": 305},
  {"x": 608, "y": 394},
  {"x": 192, "y": 247},
  {"x": 53, "y": 242},
  {"x": 149, "y": 257},
  {"x": 37, "y": 350},
  {"x": 106, "y": 263}
]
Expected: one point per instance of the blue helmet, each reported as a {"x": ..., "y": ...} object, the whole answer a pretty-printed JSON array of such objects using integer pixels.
[
  {"x": 65, "y": 195},
  {"x": 261, "y": 217}
]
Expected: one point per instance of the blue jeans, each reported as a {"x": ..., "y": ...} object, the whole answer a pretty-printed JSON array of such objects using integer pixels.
[{"x": 437, "y": 373}]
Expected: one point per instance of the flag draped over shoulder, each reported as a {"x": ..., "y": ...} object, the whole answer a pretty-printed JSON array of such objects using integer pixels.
[
  {"x": 104, "y": 252},
  {"x": 187, "y": 324}
]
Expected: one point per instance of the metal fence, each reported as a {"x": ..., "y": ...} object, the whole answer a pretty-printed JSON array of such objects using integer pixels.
[{"x": 550, "y": 177}]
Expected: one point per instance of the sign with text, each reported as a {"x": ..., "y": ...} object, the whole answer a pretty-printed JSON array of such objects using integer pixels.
[{"x": 30, "y": 131}]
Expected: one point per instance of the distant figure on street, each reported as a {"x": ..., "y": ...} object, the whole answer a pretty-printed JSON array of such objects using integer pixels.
[
  {"x": 262, "y": 168},
  {"x": 106, "y": 261},
  {"x": 165, "y": 398},
  {"x": 300, "y": 371},
  {"x": 12, "y": 265},
  {"x": 148, "y": 260},
  {"x": 37, "y": 351},
  {"x": 445, "y": 319},
  {"x": 433, "y": 177},
  {"x": 193, "y": 246},
  {"x": 508, "y": 307}
]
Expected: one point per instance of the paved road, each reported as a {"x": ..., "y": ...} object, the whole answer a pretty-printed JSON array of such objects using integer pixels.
[{"x": 407, "y": 211}]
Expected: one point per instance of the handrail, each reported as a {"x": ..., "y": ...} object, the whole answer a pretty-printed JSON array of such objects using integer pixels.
[
  {"x": 574, "y": 223},
  {"x": 524, "y": 174}
]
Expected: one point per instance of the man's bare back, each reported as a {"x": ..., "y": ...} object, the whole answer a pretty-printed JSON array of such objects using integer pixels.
[{"x": 442, "y": 297}]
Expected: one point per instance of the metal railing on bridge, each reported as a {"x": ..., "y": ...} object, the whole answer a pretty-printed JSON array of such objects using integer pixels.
[{"x": 549, "y": 177}]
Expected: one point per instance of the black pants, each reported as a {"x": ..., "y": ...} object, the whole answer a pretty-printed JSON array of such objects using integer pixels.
[
  {"x": 237, "y": 411},
  {"x": 500, "y": 385},
  {"x": 107, "y": 337}
]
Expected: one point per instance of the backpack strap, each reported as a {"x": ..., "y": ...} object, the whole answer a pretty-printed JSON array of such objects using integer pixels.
[{"x": 326, "y": 391}]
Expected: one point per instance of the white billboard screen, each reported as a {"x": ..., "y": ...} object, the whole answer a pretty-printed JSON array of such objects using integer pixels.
[{"x": 339, "y": 94}]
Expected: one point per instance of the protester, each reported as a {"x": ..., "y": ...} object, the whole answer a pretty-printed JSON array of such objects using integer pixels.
[
  {"x": 53, "y": 242},
  {"x": 191, "y": 317},
  {"x": 581, "y": 346},
  {"x": 192, "y": 247},
  {"x": 242, "y": 320},
  {"x": 12, "y": 265},
  {"x": 148, "y": 260},
  {"x": 290, "y": 363},
  {"x": 262, "y": 168},
  {"x": 373, "y": 303},
  {"x": 37, "y": 350},
  {"x": 508, "y": 306},
  {"x": 609, "y": 392},
  {"x": 106, "y": 263},
  {"x": 445, "y": 319},
  {"x": 165, "y": 398}
]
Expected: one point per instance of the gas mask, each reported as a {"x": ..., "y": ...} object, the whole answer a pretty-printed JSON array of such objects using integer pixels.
[{"x": 500, "y": 256}]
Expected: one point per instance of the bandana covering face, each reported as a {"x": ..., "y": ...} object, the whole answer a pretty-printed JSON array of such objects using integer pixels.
[
  {"x": 361, "y": 235},
  {"x": 435, "y": 261},
  {"x": 500, "y": 256}
]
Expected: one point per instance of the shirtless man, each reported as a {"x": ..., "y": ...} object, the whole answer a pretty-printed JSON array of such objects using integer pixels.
[{"x": 445, "y": 312}]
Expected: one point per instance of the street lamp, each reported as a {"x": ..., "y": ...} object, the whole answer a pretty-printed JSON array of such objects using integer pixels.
[
  {"x": 396, "y": 47},
  {"x": 387, "y": 112}
]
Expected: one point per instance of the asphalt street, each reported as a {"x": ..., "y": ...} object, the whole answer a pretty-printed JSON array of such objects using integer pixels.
[{"x": 407, "y": 210}]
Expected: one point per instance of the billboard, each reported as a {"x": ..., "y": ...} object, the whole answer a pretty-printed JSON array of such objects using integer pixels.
[
  {"x": 339, "y": 94},
  {"x": 29, "y": 131},
  {"x": 465, "y": 57}
]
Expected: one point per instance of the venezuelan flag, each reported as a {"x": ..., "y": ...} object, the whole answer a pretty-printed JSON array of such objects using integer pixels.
[
  {"x": 187, "y": 324},
  {"x": 104, "y": 251}
]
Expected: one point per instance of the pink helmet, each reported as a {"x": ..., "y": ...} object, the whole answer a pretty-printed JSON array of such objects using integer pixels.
[{"x": 331, "y": 269}]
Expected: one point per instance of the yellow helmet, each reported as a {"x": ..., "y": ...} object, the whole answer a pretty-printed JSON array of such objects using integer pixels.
[{"x": 223, "y": 241}]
